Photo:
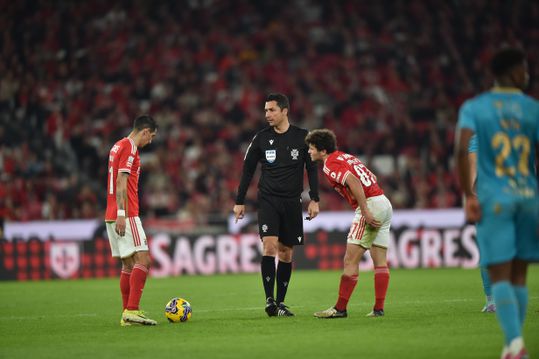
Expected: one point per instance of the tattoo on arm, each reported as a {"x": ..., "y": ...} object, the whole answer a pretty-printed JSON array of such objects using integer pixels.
[{"x": 121, "y": 190}]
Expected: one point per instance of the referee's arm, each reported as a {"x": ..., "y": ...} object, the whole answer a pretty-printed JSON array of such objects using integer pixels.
[
  {"x": 252, "y": 157},
  {"x": 312, "y": 175}
]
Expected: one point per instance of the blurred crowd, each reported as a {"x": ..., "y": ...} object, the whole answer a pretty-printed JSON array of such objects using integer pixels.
[{"x": 387, "y": 76}]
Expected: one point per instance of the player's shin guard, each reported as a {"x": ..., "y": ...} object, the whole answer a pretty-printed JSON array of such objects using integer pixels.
[
  {"x": 521, "y": 293},
  {"x": 284, "y": 272},
  {"x": 267, "y": 269},
  {"x": 381, "y": 282},
  {"x": 124, "y": 287},
  {"x": 507, "y": 310},
  {"x": 138, "y": 279},
  {"x": 346, "y": 288}
]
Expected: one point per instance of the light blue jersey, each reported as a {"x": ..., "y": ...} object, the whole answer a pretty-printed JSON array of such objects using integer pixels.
[{"x": 506, "y": 126}]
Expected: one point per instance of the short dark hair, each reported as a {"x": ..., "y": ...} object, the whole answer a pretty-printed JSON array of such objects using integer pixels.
[
  {"x": 322, "y": 139},
  {"x": 505, "y": 59},
  {"x": 281, "y": 99},
  {"x": 145, "y": 121}
]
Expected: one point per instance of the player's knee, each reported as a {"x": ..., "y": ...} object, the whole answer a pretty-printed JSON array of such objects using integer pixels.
[
  {"x": 350, "y": 260},
  {"x": 270, "y": 249},
  {"x": 143, "y": 258},
  {"x": 127, "y": 267},
  {"x": 127, "y": 264},
  {"x": 285, "y": 255},
  {"x": 379, "y": 260}
]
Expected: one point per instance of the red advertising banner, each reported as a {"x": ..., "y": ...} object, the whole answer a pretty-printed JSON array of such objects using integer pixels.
[{"x": 45, "y": 250}]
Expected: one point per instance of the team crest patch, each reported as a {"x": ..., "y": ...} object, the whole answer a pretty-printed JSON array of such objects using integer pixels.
[
  {"x": 294, "y": 153},
  {"x": 271, "y": 155}
]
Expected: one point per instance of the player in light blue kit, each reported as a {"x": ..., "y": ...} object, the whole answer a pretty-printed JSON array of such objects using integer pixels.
[
  {"x": 506, "y": 209},
  {"x": 489, "y": 307}
]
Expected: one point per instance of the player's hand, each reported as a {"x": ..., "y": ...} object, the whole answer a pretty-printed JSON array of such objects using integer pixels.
[
  {"x": 239, "y": 212},
  {"x": 120, "y": 225},
  {"x": 472, "y": 209},
  {"x": 313, "y": 209},
  {"x": 371, "y": 221}
]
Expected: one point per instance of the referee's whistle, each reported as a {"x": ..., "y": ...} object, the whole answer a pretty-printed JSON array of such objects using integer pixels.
[{"x": 308, "y": 218}]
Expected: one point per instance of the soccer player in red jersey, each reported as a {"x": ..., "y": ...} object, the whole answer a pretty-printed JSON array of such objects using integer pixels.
[
  {"x": 370, "y": 227},
  {"x": 126, "y": 235}
]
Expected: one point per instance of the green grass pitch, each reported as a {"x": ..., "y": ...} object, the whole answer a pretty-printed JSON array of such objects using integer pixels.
[{"x": 429, "y": 314}]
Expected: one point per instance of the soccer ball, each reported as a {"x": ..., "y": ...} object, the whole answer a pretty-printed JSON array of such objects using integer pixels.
[{"x": 178, "y": 310}]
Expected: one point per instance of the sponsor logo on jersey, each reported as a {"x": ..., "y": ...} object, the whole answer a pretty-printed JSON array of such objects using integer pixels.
[
  {"x": 264, "y": 228},
  {"x": 271, "y": 155},
  {"x": 299, "y": 239},
  {"x": 294, "y": 153},
  {"x": 271, "y": 142},
  {"x": 130, "y": 160}
]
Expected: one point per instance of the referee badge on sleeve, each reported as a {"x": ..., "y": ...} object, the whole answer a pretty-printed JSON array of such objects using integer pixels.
[{"x": 271, "y": 155}]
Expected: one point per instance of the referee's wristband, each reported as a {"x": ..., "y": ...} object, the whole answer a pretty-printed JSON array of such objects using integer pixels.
[{"x": 120, "y": 213}]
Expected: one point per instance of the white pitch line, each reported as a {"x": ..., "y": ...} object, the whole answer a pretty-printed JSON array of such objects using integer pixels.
[
  {"x": 399, "y": 303},
  {"x": 40, "y": 317}
]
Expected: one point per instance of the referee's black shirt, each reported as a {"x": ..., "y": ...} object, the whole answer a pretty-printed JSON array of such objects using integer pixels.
[{"x": 283, "y": 156}]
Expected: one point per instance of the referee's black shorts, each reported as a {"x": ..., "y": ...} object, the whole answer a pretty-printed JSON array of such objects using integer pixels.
[{"x": 281, "y": 217}]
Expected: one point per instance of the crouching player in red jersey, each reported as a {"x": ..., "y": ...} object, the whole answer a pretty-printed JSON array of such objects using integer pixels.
[
  {"x": 126, "y": 235},
  {"x": 370, "y": 227}
]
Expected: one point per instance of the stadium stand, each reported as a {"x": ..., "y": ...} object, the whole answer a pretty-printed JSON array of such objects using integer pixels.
[{"x": 387, "y": 76}]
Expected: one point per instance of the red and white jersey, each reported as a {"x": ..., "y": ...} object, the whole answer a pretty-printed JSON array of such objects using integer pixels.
[
  {"x": 339, "y": 165},
  {"x": 123, "y": 157}
]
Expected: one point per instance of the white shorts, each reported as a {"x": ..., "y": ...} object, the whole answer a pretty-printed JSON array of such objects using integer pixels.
[
  {"x": 133, "y": 241},
  {"x": 365, "y": 235}
]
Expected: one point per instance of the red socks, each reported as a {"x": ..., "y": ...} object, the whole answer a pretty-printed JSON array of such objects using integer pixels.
[
  {"x": 381, "y": 282},
  {"x": 348, "y": 283},
  {"x": 124, "y": 287},
  {"x": 137, "y": 281}
]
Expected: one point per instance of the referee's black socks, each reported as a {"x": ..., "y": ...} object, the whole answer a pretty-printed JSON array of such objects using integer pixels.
[
  {"x": 268, "y": 275},
  {"x": 284, "y": 271}
]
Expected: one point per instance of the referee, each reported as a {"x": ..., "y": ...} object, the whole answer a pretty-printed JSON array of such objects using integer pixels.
[{"x": 282, "y": 151}]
